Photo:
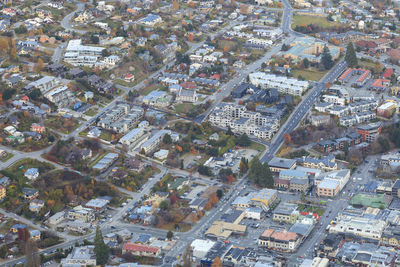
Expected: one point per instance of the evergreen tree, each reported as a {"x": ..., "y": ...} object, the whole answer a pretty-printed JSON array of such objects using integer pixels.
[
  {"x": 170, "y": 234},
  {"x": 101, "y": 250},
  {"x": 326, "y": 58},
  {"x": 261, "y": 174},
  {"x": 351, "y": 57}
]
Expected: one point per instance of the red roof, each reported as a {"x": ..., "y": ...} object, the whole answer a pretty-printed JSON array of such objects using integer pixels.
[
  {"x": 381, "y": 83},
  {"x": 388, "y": 73},
  {"x": 188, "y": 85},
  {"x": 25, "y": 97},
  {"x": 139, "y": 248},
  {"x": 216, "y": 76}
]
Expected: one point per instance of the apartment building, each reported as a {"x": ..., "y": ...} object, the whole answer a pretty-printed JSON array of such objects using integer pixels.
[
  {"x": 82, "y": 214},
  {"x": 60, "y": 96},
  {"x": 154, "y": 141},
  {"x": 241, "y": 121},
  {"x": 77, "y": 54},
  {"x": 370, "y": 132},
  {"x": 284, "y": 85}
]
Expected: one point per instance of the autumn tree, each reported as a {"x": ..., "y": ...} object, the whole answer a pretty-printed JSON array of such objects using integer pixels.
[
  {"x": 217, "y": 262},
  {"x": 175, "y": 5},
  {"x": 244, "y": 165},
  {"x": 39, "y": 65},
  {"x": 213, "y": 199},
  {"x": 287, "y": 138},
  {"x": 187, "y": 256}
]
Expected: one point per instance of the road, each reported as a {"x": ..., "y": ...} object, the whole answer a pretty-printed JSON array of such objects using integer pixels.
[
  {"x": 66, "y": 21},
  {"x": 302, "y": 109}
]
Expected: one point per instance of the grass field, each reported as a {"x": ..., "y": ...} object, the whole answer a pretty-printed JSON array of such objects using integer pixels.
[
  {"x": 305, "y": 20},
  {"x": 6, "y": 158},
  {"x": 309, "y": 74},
  {"x": 257, "y": 146},
  {"x": 183, "y": 108}
]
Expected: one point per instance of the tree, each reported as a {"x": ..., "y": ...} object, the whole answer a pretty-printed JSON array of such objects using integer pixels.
[
  {"x": 229, "y": 132},
  {"x": 351, "y": 57},
  {"x": 39, "y": 65},
  {"x": 101, "y": 250},
  {"x": 244, "y": 165},
  {"x": 204, "y": 170},
  {"x": 167, "y": 139},
  {"x": 216, "y": 262},
  {"x": 285, "y": 47},
  {"x": 326, "y": 58},
  {"x": 220, "y": 193},
  {"x": 164, "y": 205},
  {"x": 170, "y": 234},
  {"x": 3, "y": 251},
  {"x": 306, "y": 63},
  {"x": 260, "y": 173},
  {"x": 243, "y": 140},
  {"x": 187, "y": 257}
]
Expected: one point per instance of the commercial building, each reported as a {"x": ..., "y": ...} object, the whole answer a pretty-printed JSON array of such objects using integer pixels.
[
  {"x": 264, "y": 198},
  {"x": 329, "y": 184},
  {"x": 286, "y": 212},
  {"x": 386, "y": 110},
  {"x": 79, "y": 213},
  {"x": 141, "y": 250},
  {"x": 359, "y": 226},
  {"x": 201, "y": 247},
  {"x": 279, "y": 164},
  {"x": 80, "y": 256},
  {"x": 283, "y": 241},
  {"x": 324, "y": 163}
]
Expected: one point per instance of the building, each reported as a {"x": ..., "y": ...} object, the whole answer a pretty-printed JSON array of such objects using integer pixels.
[
  {"x": 141, "y": 250},
  {"x": 132, "y": 136},
  {"x": 38, "y": 128},
  {"x": 153, "y": 142},
  {"x": 3, "y": 192},
  {"x": 186, "y": 96},
  {"x": 286, "y": 212},
  {"x": 264, "y": 198},
  {"x": 370, "y": 132},
  {"x": 279, "y": 164},
  {"x": 358, "y": 226},
  {"x": 150, "y": 20},
  {"x": 32, "y": 173},
  {"x": 201, "y": 247},
  {"x": 223, "y": 230},
  {"x": 283, "y": 84},
  {"x": 386, "y": 109},
  {"x": 329, "y": 184},
  {"x": 77, "y": 54},
  {"x": 80, "y": 214},
  {"x": 363, "y": 76},
  {"x": 57, "y": 218},
  {"x": 106, "y": 162},
  {"x": 80, "y": 256},
  {"x": 320, "y": 120},
  {"x": 283, "y": 241},
  {"x": 36, "y": 205},
  {"x": 242, "y": 121},
  {"x": 324, "y": 163},
  {"x": 98, "y": 204}
]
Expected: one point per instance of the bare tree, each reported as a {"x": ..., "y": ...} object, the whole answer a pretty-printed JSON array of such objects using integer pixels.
[{"x": 187, "y": 257}]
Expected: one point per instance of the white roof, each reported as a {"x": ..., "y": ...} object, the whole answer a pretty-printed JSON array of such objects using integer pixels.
[{"x": 202, "y": 245}]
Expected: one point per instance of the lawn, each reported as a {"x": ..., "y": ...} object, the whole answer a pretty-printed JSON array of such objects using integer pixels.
[
  {"x": 183, "y": 108},
  {"x": 299, "y": 20},
  {"x": 149, "y": 89},
  {"x": 91, "y": 112},
  {"x": 257, "y": 146},
  {"x": 106, "y": 136},
  {"x": 61, "y": 124},
  {"x": 309, "y": 74},
  {"x": 6, "y": 158}
]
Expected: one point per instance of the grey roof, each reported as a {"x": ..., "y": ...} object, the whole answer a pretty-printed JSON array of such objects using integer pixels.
[{"x": 282, "y": 162}]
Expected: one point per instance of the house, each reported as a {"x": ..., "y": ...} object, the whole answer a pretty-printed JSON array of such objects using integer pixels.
[
  {"x": 36, "y": 205},
  {"x": 82, "y": 214},
  {"x": 32, "y": 173},
  {"x": 129, "y": 77},
  {"x": 35, "y": 235},
  {"x": 150, "y": 20},
  {"x": 140, "y": 250},
  {"x": 14, "y": 229},
  {"x": 38, "y": 128}
]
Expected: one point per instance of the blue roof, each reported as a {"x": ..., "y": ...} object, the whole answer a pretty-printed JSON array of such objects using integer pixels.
[
  {"x": 32, "y": 171},
  {"x": 19, "y": 226}
]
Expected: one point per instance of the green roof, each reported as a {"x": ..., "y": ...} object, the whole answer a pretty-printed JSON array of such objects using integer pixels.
[{"x": 373, "y": 201}]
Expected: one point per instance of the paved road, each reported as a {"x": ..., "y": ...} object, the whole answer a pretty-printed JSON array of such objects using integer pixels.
[
  {"x": 302, "y": 109},
  {"x": 66, "y": 21}
]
